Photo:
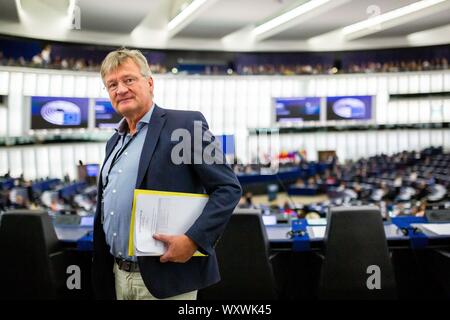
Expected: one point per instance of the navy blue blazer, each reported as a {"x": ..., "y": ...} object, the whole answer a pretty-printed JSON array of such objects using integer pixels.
[{"x": 157, "y": 172}]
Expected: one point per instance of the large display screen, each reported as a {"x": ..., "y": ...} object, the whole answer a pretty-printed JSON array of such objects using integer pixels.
[
  {"x": 349, "y": 108},
  {"x": 105, "y": 115},
  {"x": 92, "y": 170},
  {"x": 297, "y": 109},
  {"x": 59, "y": 112}
]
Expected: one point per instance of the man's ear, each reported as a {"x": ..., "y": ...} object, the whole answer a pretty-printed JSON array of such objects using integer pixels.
[{"x": 150, "y": 82}]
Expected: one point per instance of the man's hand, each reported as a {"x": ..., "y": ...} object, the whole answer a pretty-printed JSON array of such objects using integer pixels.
[{"x": 179, "y": 248}]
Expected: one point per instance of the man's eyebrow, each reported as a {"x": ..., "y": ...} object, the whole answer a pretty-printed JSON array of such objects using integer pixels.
[{"x": 124, "y": 76}]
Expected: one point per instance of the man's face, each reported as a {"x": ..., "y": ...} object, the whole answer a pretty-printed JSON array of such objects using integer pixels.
[{"x": 129, "y": 91}]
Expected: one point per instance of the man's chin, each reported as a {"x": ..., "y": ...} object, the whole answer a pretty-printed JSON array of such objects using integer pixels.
[
  {"x": 125, "y": 102},
  {"x": 125, "y": 108}
]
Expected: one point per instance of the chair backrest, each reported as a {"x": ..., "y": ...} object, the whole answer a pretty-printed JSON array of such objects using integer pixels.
[
  {"x": 243, "y": 255},
  {"x": 357, "y": 264},
  {"x": 27, "y": 240}
]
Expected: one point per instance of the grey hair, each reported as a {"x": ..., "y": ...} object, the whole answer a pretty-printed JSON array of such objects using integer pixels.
[{"x": 117, "y": 57}]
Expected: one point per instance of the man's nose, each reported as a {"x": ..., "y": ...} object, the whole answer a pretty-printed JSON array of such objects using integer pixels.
[{"x": 121, "y": 88}]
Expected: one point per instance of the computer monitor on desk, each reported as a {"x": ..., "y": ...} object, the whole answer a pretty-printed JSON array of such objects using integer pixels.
[
  {"x": 247, "y": 210},
  {"x": 438, "y": 213},
  {"x": 92, "y": 169},
  {"x": 269, "y": 220},
  {"x": 67, "y": 220}
]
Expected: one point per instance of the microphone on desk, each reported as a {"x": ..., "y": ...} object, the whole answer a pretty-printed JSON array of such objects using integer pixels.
[
  {"x": 291, "y": 234},
  {"x": 291, "y": 201},
  {"x": 406, "y": 230}
]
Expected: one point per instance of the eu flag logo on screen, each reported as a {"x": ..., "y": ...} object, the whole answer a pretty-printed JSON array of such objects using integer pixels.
[
  {"x": 62, "y": 113},
  {"x": 59, "y": 112},
  {"x": 349, "y": 108}
]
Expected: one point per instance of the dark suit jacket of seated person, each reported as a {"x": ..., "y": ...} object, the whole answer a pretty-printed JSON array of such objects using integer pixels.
[{"x": 131, "y": 92}]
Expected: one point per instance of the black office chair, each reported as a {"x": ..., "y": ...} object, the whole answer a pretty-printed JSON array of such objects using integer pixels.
[
  {"x": 244, "y": 262},
  {"x": 32, "y": 265},
  {"x": 439, "y": 266},
  {"x": 355, "y": 241}
]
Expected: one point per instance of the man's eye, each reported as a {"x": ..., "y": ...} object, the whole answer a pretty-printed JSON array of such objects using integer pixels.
[{"x": 129, "y": 81}]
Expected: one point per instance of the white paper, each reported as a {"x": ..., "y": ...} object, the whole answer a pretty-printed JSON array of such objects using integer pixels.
[
  {"x": 164, "y": 214},
  {"x": 439, "y": 229},
  {"x": 316, "y": 232}
]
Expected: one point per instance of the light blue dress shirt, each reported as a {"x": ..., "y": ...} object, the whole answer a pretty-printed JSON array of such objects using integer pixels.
[{"x": 119, "y": 181}]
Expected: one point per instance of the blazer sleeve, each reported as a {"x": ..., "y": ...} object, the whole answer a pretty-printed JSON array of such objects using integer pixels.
[{"x": 220, "y": 183}]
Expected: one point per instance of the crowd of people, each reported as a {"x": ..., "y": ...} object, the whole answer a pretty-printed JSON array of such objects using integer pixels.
[
  {"x": 45, "y": 59},
  {"x": 365, "y": 67},
  {"x": 19, "y": 193},
  {"x": 401, "y": 184}
]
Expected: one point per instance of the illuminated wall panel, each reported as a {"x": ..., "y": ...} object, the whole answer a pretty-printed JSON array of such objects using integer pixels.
[
  {"x": 68, "y": 86},
  {"x": 29, "y": 163},
  {"x": 56, "y": 83},
  {"x": 43, "y": 163},
  {"x": 4, "y": 82},
  {"x": 4, "y": 167}
]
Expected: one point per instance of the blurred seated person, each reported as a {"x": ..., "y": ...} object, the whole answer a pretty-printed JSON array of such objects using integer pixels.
[
  {"x": 5, "y": 202},
  {"x": 342, "y": 186},
  {"x": 413, "y": 177},
  {"x": 418, "y": 210},
  {"x": 358, "y": 189},
  {"x": 83, "y": 201},
  {"x": 406, "y": 193},
  {"x": 37, "y": 60},
  {"x": 312, "y": 182},
  {"x": 46, "y": 55},
  {"x": 20, "y": 202},
  {"x": 399, "y": 210},
  {"x": 422, "y": 208},
  {"x": 300, "y": 183},
  {"x": 422, "y": 190},
  {"x": 388, "y": 194},
  {"x": 318, "y": 179},
  {"x": 312, "y": 215},
  {"x": 398, "y": 182},
  {"x": 55, "y": 205},
  {"x": 330, "y": 180},
  {"x": 59, "y": 205},
  {"x": 248, "y": 170},
  {"x": 378, "y": 193},
  {"x": 430, "y": 181},
  {"x": 246, "y": 201},
  {"x": 288, "y": 209}
]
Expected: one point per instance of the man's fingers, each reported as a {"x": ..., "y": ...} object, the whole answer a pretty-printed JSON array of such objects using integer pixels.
[
  {"x": 167, "y": 256},
  {"x": 164, "y": 258},
  {"x": 162, "y": 237}
]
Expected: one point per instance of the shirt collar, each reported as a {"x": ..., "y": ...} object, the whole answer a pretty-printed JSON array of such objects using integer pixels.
[{"x": 122, "y": 127}]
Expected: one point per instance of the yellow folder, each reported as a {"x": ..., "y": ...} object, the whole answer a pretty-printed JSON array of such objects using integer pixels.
[{"x": 161, "y": 212}]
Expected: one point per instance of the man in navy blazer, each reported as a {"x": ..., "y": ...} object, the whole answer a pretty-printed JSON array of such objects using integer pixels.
[{"x": 144, "y": 154}]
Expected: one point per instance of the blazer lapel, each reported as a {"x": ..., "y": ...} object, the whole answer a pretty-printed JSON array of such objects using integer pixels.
[{"x": 156, "y": 124}]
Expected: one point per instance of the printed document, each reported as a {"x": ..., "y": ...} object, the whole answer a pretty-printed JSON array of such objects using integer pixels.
[{"x": 170, "y": 213}]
